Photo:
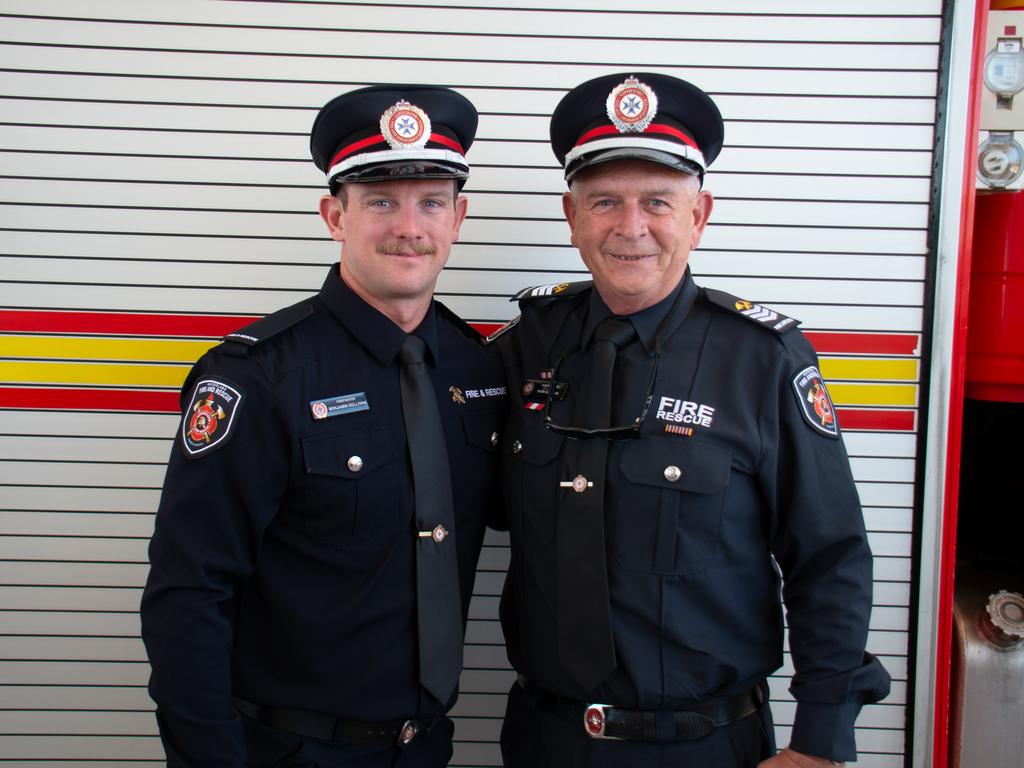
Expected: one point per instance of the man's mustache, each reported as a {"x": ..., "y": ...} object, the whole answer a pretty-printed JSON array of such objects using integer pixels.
[{"x": 420, "y": 249}]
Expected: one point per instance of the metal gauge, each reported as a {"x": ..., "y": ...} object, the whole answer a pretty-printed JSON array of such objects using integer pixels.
[
  {"x": 1004, "y": 68},
  {"x": 1000, "y": 160}
]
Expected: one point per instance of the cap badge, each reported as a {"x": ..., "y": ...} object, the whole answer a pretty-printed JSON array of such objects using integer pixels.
[
  {"x": 405, "y": 126},
  {"x": 631, "y": 106}
]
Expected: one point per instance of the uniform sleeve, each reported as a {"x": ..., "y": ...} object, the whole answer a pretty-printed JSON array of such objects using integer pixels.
[
  {"x": 818, "y": 538},
  {"x": 220, "y": 493}
]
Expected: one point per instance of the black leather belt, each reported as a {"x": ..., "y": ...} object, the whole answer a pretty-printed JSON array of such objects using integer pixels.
[
  {"x": 326, "y": 727},
  {"x": 696, "y": 720}
]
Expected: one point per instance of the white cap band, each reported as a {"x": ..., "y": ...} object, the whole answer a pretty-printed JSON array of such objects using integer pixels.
[
  {"x": 636, "y": 142},
  {"x": 396, "y": 155}
]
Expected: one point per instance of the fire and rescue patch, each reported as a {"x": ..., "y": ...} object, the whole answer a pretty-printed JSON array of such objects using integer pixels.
[
  {"x": 210, "y": 416},
  {"x": 815, "y": 404},
  {"x": 678, "y": 411},
  {"x": 461, "y": 395}
]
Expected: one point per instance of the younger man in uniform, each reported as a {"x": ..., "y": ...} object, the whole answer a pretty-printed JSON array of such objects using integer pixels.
[{"x": 325, "y": 500}]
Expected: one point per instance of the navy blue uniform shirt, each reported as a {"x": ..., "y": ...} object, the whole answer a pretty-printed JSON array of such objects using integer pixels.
[
  {"x": 734, "y": 470},
  {"x": 283, "y": 560}
]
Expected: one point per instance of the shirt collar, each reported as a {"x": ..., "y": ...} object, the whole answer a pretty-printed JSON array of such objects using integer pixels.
[
  {"x": 648, "y": 321},
  {"x": 374, "y": 330}
]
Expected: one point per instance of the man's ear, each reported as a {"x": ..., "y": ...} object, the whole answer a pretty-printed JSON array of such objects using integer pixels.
[
  {"x": 569, "y": 209},
  {"x": 461, "y": 206},
  {"x": 702, "y": 206},
  {"x": 331, "y": 213}
]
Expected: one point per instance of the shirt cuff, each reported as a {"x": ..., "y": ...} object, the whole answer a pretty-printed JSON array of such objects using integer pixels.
[{"x": 826, "y": 730}]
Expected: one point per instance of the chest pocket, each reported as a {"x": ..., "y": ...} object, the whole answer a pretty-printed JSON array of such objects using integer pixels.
[
  {"x": 530, "y": 481},
  {"x": 354, "y": 490},
  {"x": 483, "y": 430},
  {"x": 668, "y": 510},
  {"x": 475, "y": 469}
]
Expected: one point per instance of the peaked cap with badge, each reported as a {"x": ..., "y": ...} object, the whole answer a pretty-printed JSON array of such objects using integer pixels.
[
  {"x": 394, "y": 132},
  {"x": 636, "y": 116}
]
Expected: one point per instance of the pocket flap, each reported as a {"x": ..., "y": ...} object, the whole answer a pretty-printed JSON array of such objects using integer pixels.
[
  {"x": 682, "y": 466},
  {"x": 534, "y": 444},
  {"x": 483, "y": 430},
  {"x": 350, "y": 454}
]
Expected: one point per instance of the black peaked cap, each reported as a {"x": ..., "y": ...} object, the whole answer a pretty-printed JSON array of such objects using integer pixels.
[
  {"x": 685, "y": 118},
  {"x": 348, "y": 136}
]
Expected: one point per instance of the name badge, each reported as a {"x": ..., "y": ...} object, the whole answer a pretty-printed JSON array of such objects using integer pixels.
[{"x": 339, "y": 406}]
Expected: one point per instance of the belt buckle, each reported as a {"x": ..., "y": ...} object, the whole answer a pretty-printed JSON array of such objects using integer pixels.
[
  {"x": 407, "y": 732},
  {"x": 595, "y": 720}
]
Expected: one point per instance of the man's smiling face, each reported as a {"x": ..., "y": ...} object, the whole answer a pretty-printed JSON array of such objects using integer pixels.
[{"x": 635, "y": 223}]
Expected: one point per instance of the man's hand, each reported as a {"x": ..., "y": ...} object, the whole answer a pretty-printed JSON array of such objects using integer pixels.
[{"x": 789, "y": 758}]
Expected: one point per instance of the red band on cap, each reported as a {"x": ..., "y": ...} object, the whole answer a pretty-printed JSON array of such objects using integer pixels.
[
  {"x": 355, "y": 146},
  {"x": 445, "y": 141},
  {"x": 611, "y": 130}
]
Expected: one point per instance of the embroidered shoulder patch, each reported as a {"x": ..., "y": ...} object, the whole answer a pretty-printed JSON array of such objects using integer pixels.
[
  {"x": 210, "y": 417},
  {"x": 815, "y": 404},
  {"x": 556, "y": 290}
]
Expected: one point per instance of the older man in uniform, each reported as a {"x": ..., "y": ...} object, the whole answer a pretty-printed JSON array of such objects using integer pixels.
[
  {"x": 325, "y": 500},
  {"x": 672, "y": 462}
]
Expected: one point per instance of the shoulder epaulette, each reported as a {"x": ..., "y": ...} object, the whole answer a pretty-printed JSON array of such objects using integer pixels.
[
  {"x": 757, "y": 313},
  {"x": 554, "y": 291},
  {"x": 271, "y": 325},
  {"x": 496, "y": 334},
  {"x": 461, "y": 325}
]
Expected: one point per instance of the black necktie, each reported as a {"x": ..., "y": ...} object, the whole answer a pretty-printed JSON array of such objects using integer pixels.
[
  {"x": 586, "y": 648},
  {"x": 438, "y": 600}
]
